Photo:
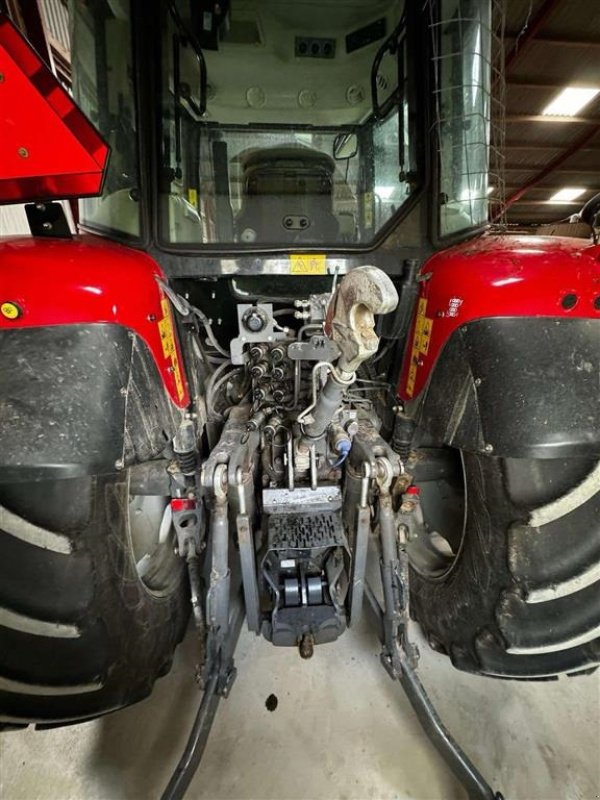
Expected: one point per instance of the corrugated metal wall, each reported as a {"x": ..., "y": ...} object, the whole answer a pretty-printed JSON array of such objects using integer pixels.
[{"x": 56, "y": 18}]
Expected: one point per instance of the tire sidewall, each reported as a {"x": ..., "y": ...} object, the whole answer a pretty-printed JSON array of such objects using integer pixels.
[
  {"x": 144, "y": 627},
  {"x": 457, "y": 607}
]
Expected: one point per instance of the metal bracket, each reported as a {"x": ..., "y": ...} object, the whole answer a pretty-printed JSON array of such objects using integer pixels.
[
  {"x": 362, "y": 526},
  {"x": 48, "y": 220},
  {"x": 187, "y": 522},
  {"x": 218, "y": 685},
  {"x": 267, "y": 333},
  {"x": 223, "y": 480},
  {"x": 247, "y": 557},
  {"x": 318, "y": 348},
  {"x": 399, "y": 656},
  {"x": 227, "y": 472}
]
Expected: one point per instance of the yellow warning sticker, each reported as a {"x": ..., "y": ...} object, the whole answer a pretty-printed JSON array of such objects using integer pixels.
[
  {"x": 192, "y": 197},
  {"x": 167, "y": 338},
  {"x": 421, "y": 341},
  {"x": 165, "y": 327},
  {"x": 308, "y": 264},
  {"x": 410, "y": 382},
  {"x": 425, "y": 335},
  {"x": 177, "y": 376},
  {"x": 423, "y": 328}
]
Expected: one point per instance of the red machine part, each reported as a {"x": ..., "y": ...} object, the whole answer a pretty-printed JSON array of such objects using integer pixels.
[
  {"x": 183, "y": 504},
  {"x": 497, "y": 276},
  {"x": 49, "y": 148},
  {"x": 91, "y": 280}
]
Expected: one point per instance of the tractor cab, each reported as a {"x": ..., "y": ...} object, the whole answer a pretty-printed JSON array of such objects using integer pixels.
[{"x": 267, "y": 125}]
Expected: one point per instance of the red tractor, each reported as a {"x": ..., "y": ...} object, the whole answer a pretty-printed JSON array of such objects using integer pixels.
[{"x": 283, "y": 370}]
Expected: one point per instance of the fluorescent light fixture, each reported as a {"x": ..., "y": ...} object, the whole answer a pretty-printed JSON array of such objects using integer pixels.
[
  {"x": 566, "y": 195},
  {"x": 570, "y": 101}
]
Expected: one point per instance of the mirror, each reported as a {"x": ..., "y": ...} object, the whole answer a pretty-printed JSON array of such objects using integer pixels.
[{"x": 345, "y": 146}]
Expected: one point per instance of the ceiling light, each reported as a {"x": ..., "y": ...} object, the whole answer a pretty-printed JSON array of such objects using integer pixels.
[
  {"x": 570, "y": 101},
  {"x": 566, "y": 195}
]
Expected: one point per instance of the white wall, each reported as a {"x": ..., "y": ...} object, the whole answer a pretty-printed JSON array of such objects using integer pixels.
[{"x": 13, "y": 220}]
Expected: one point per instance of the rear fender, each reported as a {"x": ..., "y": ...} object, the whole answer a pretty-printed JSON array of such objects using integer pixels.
[
  {"x": 91, "y": 375},
  {"x": 505, "y": 348}
]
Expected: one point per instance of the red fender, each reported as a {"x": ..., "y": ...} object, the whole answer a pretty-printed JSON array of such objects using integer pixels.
[
  {"x": 497, "y": 276},
  {"x": 88, "y": 279}
]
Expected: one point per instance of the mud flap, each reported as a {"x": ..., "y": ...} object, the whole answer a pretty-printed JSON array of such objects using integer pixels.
[
  {"x": 78, "y": 399},
  {"x": 520, "y": 387}
]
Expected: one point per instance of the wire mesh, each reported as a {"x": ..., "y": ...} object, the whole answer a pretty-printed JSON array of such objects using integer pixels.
[
  {"x": 498, "y": 115},
  {"x": 467, "y": 46}
]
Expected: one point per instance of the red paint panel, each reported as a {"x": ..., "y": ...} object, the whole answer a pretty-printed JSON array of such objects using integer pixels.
[
  {"x": 87, "y": 280},
  {"x": 497, "y": 276},
  {"x": 49, "y": 148}
]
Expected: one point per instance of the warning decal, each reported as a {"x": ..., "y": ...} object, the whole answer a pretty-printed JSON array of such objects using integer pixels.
[
  {"x": 421, "y": 340},
  {"x": 165, "y": 328},
  {"x": 308, "y": 264}
]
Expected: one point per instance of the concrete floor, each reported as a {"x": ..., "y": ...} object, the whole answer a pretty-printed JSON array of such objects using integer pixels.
[{"x": 342, "y": 730}]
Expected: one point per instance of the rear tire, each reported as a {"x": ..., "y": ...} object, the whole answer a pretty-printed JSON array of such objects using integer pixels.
[
  {"x": 81, "y": 633},
  {"x": 520, "y": 596}
]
